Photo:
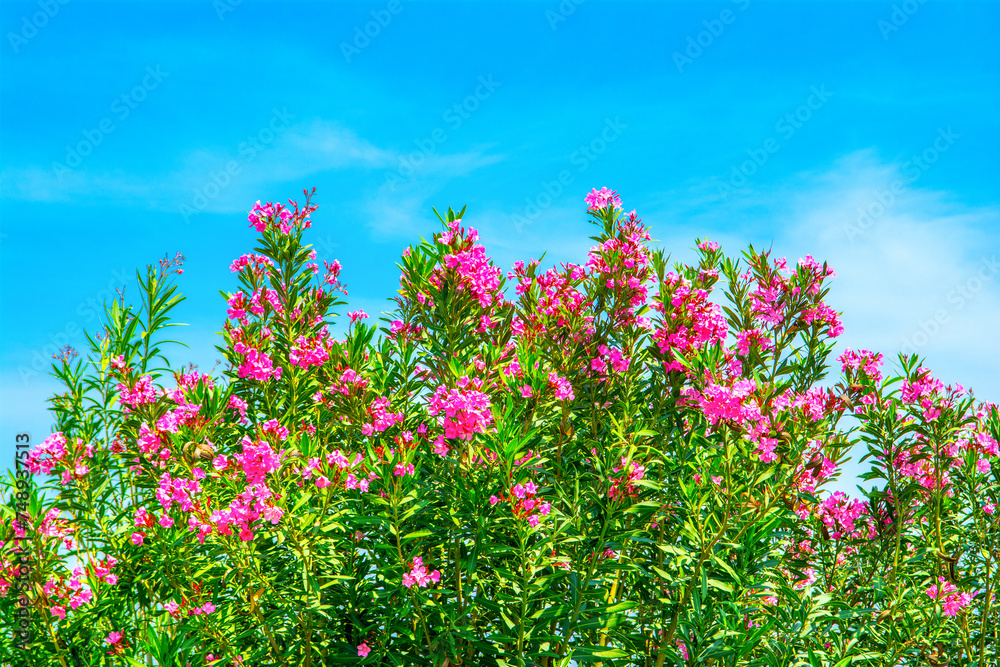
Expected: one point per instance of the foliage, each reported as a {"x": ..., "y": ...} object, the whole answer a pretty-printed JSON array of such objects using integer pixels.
[{"x": 623, "y": 465}]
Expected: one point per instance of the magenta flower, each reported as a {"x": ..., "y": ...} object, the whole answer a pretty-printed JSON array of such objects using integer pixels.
[
  {"x": 467, "y": 410},
  {"x": 600, "y": 199},
  {"x": 564, "y": 390},
  {"x": 363, "y": 650},
  {"x": 418, "y": 574}
]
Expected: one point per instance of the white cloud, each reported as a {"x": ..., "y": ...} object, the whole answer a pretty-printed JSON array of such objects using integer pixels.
[
  {"x": 293, "y": 154},
  {"x": 921, "y": 276}
]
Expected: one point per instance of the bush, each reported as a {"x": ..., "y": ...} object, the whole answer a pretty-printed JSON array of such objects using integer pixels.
[{"x": 610, "y": 468}]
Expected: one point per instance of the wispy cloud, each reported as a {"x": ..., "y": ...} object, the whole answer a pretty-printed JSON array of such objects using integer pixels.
[
  {"x": 223, "y": 179},
  {"x": 922, "y": 279}
]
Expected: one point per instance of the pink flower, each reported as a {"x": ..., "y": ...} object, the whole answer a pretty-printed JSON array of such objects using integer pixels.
[
  {"x": 259, "y": 366},
  {"x": 273, "y": 514},
  {"x": 952, "y": 600},
  {"x": 58, "y": 611},
  {"x": 113, "y": 638},
  {"x": 440, "y": 447},
  {"x": 526, "y": 391},
  {"x": 467, "y": 410},
  {"x": 322, "y": 482},
  {"x": 564, "y": 390},
  {"x": 418, "y": 574},
  {"x": 682, "y": 648},
  {"x": 474, "y": 270},
  {"x": 357, "y": 315},
  {"x": 137, "y": 538},
  {"x": 363, "y": 650},
  {"x": 599, "y": 199}
]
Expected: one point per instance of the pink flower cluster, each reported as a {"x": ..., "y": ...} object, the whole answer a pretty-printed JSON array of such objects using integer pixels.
[
  {"x": 524, "y": 502},
  {"x": 951, "y": 599},
  {"x": 258, "y": 264},
  {"x": 258, "y": 460},
  {"x": 624, "y": 486},
  {"x": 72, "y": 592},
  {"x": 475, "y": 272},
  {"x": 312, "y": 351},
  {"x": 258, "y": 365},
  {"x": 731, "y": 402},
  {"x": 926, "y": 392},
  {"x": 349, "y": 382},
  {"x": 621, "y": 264},
  {"x": 619, "y": 362},
  {"x": 418, "y": 574},
  {"x": 600, "y": 199},
  {"x": 556, "y": 309},
  {"x": 824, "y": 314},
  {"x": 689, "y": 320},
  {"x": 238, "y": 404},
  {"x": 259, "y": 216},
  {"x": 466, "y": 410},
  {"x": 181, "y": 491},
  {"x": 744, "y": 340},
  {"x": 562, "y": 386},
  {"x": 839, "y": 514},
  {"x": 56, "y": 452},
  {"x": 381, "y": 418},
  {"x": 862, "y": 360},
  {"x": 142, "y": 393}
]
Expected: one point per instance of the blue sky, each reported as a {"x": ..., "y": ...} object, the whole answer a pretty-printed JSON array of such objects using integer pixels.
[{"x": 134, "y": 130}]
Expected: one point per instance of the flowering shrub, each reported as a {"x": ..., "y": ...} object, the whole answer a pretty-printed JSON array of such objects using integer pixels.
[{"x": 615, "y": 462}]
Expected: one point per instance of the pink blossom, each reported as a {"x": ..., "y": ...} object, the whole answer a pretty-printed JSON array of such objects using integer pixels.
[
  {"x": 418, "y": 574},
  {"x": 441, "y": 447},
  {"x": 564, "y": 390},
  {"x": 363, "y": 650},
  {"x": 259, "y": 366},
  {"x": 599, "y": 199},
  {"x": 466, "y": 411}
]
